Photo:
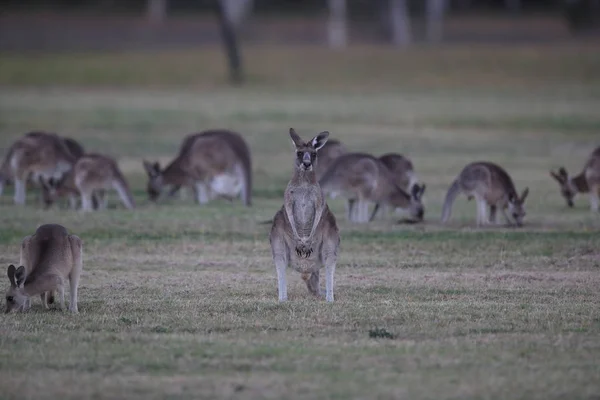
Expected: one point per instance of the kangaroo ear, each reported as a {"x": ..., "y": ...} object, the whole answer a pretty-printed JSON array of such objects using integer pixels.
[
  {"x": 423, "y": 187},
  {"x": 20, "y": 276},
  {"x": 319, "y": 141},
  {"x": 555, "y": 176},
  {"x": 11, "y": 275},
  {"x": 151, "y": 169},
  {"x": 296, "y": 140},
  {"x": 524, "y": 194},
  {"x": 563, "y": 172}
]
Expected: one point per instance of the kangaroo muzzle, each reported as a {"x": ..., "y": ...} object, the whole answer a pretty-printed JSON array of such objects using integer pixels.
[{"x": 306, "y": 160}]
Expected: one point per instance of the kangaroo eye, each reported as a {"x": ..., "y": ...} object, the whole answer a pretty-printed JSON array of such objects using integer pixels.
[
  {"x": 299, "y": 154},
  {"x": 9, "y": 299}
]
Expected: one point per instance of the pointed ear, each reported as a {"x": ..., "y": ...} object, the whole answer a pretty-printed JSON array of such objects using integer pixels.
[
  {"x": 296, "y": 140},
  {"x": 11, "y": 275},
  {"x": 20, "y": 276},
  {"x": 319, "y": 141},
  {"x": 563, "y": 172},
  {"x": 151, "y": 169},
  {"x": 415, "y": 191},
  {"x": 555, "y": 176},
  {"x": 524, "y": 195}
]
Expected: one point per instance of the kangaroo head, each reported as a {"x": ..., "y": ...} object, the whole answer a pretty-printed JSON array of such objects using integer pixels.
[
  {"x": 566, "y": 188},
  {"x": 410, "y": 202},
  {"x": 306, "y": 153},
  {"x": 516, "y": 206},
  {"x": 155, "y": 181},
  {"x": 16, "y": 299}
]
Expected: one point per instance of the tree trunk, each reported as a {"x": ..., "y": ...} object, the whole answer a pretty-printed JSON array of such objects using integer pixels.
[
  {"x": 337, "y": 31},
  {"x": 238, "y": 10},
  {"x": 230, "y": 43},
  {"x": 156, "y": 11},
  {"x": 400, "y": 23},
  {"x": 435, "y": 18},
  {"x": 513, "y": 5}
]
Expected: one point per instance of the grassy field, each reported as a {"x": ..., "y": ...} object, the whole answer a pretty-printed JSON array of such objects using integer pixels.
[{"x": 180, "y": 301}]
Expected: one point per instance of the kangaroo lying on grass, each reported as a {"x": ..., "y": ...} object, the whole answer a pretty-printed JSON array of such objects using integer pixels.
[
  {"x": 587, "y": 181},
  {"x": 304, "y": 232},
  {"x": 48, "y": 258},
  {"x": 490, "y": 185}
]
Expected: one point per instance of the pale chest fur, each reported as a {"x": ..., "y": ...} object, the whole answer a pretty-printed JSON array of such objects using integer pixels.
[{"x": 304, "y": 203}]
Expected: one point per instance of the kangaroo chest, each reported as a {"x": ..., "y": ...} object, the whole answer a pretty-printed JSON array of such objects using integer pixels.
[{"x": 304, "y": 210}]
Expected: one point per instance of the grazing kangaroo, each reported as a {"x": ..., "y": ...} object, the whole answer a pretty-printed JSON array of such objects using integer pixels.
[
  {"x": 215, "y": 163},
  {"x": 92, "y": 175},
  {"x": 52, "y": 189},
  {"x": 362, "y": 178},
  {"x": 39, "y": 155},
  {"x": 490, "y": 185},
  {"x": 48, "y": 258},
  {"x": 304, "y": 234},
  {"x": 403, "y": 171},
  {"x": 327, "y": 154},
  {"x": 587, "y": 181}
]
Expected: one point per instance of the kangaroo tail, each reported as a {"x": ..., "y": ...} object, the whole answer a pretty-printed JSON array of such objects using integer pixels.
[{"x": 449, "y": 200}]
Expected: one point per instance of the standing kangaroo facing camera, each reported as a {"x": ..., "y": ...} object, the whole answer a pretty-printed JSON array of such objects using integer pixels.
[
  {"x": 490, "y": 185},
  {"x": 48, "y": 258},
  {"x": 304, "y": 234}
]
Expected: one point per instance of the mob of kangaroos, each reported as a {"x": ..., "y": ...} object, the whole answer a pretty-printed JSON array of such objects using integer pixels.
[
  {"x": 48, "y": 258},
  {"x": 304, "y": 232}
]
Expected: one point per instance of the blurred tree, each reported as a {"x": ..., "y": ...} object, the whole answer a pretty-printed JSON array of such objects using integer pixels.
[
  {"x": 513, "y": 5},
  {"x": 229, "y": 36},
  {"x": 156, "y": 11},
  {"x": 435, "y": 18},
  {"x": 400, "y": 23},
  {"x": 337, "y": 31}
]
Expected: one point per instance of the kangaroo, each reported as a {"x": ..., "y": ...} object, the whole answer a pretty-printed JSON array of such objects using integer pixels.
[
  {"x": 215, "y": 163},
  {"x": 92, "y": 175},
  {"x": 587, "y": 181},
  {"x": 490, "y": 185},
  {"x": 328, "y": 153},
  {"x": 38, "y": 155},
  {"x": 304, "y": 233},
  {"x": 48, "y": 257},
  {"x": 362, "y": 178},
  {"x": 51, "y": 189},
  {"x": 404, "y": 175}
]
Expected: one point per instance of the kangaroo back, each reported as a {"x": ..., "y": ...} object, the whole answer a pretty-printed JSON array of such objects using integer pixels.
[{"x": 48, "y": 258}]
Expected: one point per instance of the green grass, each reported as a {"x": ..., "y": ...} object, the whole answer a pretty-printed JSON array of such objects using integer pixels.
[{"x": 180, "y": 301}]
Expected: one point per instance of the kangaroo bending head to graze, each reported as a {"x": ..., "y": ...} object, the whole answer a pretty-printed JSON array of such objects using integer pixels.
[
  {"x": 214, "y": 163},
  {"x": 52, "y": 189},
  {"x": 490, "y": 185},
  {"x": 304, "y": 234},
  {"x": 586, "y": 181},
  {"x": 364, "y": 179},
  {"x": 91, "y": 177},
  {"x": 402, "y": 170},
  {"x": 37, "y": 155},
  {"x": 48, "y": 258}
]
